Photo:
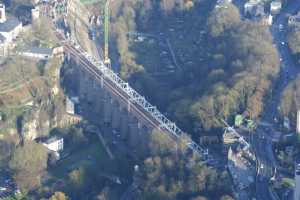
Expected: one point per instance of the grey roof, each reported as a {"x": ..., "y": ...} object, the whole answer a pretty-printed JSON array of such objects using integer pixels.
[
  {"x": 52, "y": 139},
  {"x": 259, "y": 10},
  {"x": 10, "y": 24},
  {"x": 39, "y": 50}
]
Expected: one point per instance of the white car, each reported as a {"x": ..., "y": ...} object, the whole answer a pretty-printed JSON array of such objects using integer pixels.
[{"x": 3, "y": 189}]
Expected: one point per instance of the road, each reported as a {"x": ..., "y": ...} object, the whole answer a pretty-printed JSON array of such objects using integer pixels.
[
  {"x": 263, "y": 139},
  {"x": 262, "y": 144}
]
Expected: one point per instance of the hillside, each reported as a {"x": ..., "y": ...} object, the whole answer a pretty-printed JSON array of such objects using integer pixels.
[
  {"x": 197, "y": 63},
  {"x": 26, "y": 83}
]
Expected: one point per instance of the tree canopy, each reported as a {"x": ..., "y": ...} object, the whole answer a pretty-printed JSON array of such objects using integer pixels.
[
  {"x": 290, "y": 100},
  {"x": 28, "y": 163},
  {"x": 232, "y": 62},
  {"x": 59, "y": 196},
  {"x": 172, "y": 172},
  {"x": 294, "y": 42}
]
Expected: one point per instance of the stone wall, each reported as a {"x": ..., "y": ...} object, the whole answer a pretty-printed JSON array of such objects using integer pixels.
[{"x": 103, "y": 108}]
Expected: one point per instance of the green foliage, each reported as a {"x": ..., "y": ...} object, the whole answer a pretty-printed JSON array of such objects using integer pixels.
[
  {"x": 294, "y": 40},
  {"x": 76, "y": 136},
  {"x": 298, "y": 139},
  {"x": 172, "y": 173},
  {"x": 288, "y": 182},
  {"x": 80, "y": 182},
  {"x": 226, "y": 197},
  {"x": 248, "y": 61},
  {"x": 238, "y": 120},
  {"x": 77, "y": 178},
  {"x": 223, "y": 19},
  {"x": 233, "y": 75},
  {"x": 6, "y": 148},
  {"x": 124, "y": 24},
  {"x": 41, "y": 67},
  {"x": 290, "y": 101},
  {"x": 28, "y": 163},
  {"x": 58, "y": 196}
]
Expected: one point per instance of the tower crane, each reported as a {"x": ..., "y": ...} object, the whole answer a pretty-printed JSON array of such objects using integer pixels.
[
  {"x": 106, "y": 28},
  {"x": 106, "y": 32}
]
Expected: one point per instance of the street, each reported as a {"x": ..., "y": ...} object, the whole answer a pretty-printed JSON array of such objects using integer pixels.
[{"x": 263, "y": 140}]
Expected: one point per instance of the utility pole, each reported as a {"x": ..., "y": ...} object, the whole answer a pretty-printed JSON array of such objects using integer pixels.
[{"x": 106, "y": 33}]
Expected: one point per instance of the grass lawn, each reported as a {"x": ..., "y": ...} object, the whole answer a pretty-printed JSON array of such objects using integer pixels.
[
  {"x": 94, "y": 159},
  {"x": 92, "y": 155},
  {"x": 147, "y": 54}
]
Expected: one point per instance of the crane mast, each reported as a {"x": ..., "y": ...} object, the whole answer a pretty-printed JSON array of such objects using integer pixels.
[{"x": 106, "y": 33}]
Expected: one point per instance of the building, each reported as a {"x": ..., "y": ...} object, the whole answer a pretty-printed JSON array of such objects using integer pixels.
[
  {"x": 254, "y": 9},
  {"x": 298, "y": 122},
  {"x": 250, "y": 6},
  {"x": 222, "y": 3},
  {"x": 240, "y": 169},
  {"x": 37, "y": 53},
  {"x": 54, "y": 144},
  {"x": 297, "y": 183},
  {"x": 275, "y": 7},
  {"x": 9, "y": 30},
  {"x": 70, "y": 106},
  {"x": 35, "y": 13},
  {"x": 3, "y": 46},
  {"x": 286, "y": 123},
  {"x": 294, "y": 20}
]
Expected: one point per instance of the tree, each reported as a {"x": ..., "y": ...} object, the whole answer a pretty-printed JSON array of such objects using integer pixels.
[
  {"x": 6, "y": 148},
  {"x": 226, "y": 197},
  {"x": 290, "y": 101},
  {"x": 76, "y": 136},
  {"x": 103, "y": 195},
  {"x": 80, "y": 182},
  {"x": 123, "y": 24},
  {"x": 77, "y": 178},
  {"x": 167, "y": 5},
  {"x": 199, "y": 198},
  {"x": 294, "y": 40},
  {"x": 28, "y": 164},
  {"x": 172, "y": 173},
  {"x": 222, "y": 19},
  {"x": 58, "y": 196}
]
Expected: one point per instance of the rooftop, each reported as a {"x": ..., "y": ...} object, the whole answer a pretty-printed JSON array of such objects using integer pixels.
[
  {"x": 52, "y": 139},
  {"x": 295, "y": 18},
  {"x": 276, "y": 3},
  {"x": 9, "y": 24},
  {"x": 39, "y": 50}
]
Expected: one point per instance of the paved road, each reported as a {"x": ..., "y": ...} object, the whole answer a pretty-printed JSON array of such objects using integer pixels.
[{"x": 263, "y": 143}]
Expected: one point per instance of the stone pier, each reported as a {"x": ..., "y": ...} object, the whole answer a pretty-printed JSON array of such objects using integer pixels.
[{"x": 104, "y": 108}]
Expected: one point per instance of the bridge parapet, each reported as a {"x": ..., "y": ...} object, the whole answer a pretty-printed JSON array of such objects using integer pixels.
[
  {"x": 136, "y": 98},
  {"x": 131, "y": 97}
]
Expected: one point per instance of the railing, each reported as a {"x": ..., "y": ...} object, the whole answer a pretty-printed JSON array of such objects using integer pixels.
[{"x": 135, "y": 97}]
